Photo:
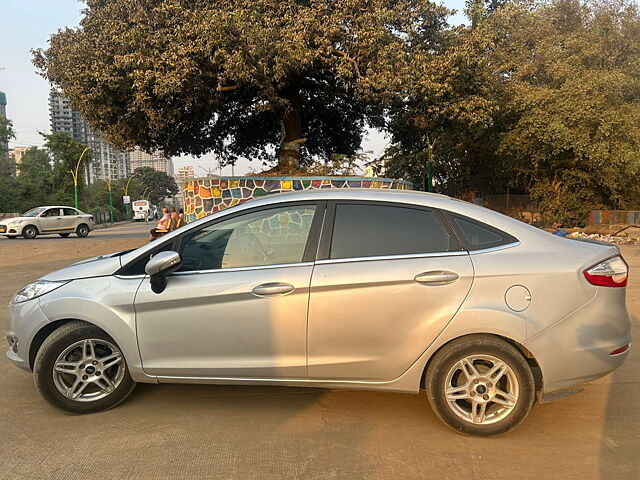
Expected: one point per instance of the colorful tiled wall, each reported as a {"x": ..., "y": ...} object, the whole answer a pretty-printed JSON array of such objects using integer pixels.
[{"x": 203, "y": 196}]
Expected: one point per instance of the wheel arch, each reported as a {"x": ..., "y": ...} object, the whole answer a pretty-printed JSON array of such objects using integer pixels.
[
  {"x": 526, "y": 354},
  {"x": 31, "y": 225}
]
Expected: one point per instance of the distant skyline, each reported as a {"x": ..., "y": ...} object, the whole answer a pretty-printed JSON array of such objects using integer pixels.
[{"x": 28, "y": 24}]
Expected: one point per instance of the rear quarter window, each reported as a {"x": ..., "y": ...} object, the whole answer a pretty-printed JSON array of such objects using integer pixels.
[{"x": 476, "y": 235}]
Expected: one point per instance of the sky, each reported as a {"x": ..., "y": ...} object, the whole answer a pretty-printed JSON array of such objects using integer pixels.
[{"x": 27, "y": 24}]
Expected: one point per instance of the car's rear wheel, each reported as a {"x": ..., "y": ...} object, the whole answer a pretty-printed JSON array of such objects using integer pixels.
[
  {"x": 80, "y": 369},
  {"x": 64, "y": 235},
  {"x": 29, "y": 232},
  {"x": 82, "y": 230},
  {"x": 480, "y": 385}
]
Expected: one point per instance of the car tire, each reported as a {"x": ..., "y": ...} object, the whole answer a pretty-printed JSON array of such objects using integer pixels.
[
  {"x": 82, "y": 230},
  {"x": 64, "y": 235},
  {"x": 492, "y": 398},
  {"x": 29, "y": 232},
  {"x": 107, "y": 389}
]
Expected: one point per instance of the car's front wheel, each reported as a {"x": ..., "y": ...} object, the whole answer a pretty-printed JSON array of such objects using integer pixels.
[
  {"x": 82, "y": 230},
  {"x": 29, "y": 232},
  {"x": 480, "y": 385},
  {"x": 80, "y": 369}
]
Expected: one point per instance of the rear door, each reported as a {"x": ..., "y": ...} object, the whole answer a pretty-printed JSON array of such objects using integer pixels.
[
  {"x": 50, "y": 221},
  {"x": 70, "y": 219},
  {"x": 388, "y": 279}
]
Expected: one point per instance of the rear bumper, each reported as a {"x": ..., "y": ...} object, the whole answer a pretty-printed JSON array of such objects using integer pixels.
[{"x": 577, "y": 349}]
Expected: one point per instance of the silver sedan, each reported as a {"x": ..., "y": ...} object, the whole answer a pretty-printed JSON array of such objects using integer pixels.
[{"x": 378, "y": 290}]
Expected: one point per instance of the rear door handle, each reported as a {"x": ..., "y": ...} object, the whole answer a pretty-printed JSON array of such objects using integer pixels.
[
  {"x": 439, "y": 277},
  {"x": 272, "y": 289}
]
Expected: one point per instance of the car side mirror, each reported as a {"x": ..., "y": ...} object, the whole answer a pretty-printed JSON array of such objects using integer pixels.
[{"x": 161, "y": 265}]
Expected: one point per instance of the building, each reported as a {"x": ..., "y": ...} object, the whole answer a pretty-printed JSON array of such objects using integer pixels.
[
  {"x": 374, "y": 168},
  {"x": 106, "y": 160},
  {"x": 65, "y": 119},
  {"x": 15, "y": 155},
  {"x": 156, "y": 160},
  {"x": 184, "y": 173}
]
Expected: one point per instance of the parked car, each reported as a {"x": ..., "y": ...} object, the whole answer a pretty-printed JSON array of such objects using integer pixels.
[
  {"x": 362, "y": 289},
  {"x": 48, "y": 220}
]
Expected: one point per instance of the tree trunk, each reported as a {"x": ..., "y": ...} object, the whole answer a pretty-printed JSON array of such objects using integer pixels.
[{"x": 289, "y": 154}]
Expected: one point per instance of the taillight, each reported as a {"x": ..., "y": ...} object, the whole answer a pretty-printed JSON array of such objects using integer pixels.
[{"x": 609, "y": 273}]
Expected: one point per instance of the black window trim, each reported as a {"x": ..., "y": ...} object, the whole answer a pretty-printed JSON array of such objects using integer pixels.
[
  {"x": 449, "y": 217},
  {"x": 309, "y": 253},
  {"x": 324, "y": 248}
]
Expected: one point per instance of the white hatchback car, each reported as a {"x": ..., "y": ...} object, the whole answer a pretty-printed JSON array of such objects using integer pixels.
[{"x": 47, "y": 220}]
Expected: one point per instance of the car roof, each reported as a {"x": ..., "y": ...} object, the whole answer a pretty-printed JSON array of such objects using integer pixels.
[{"x": 56, "y": 206}]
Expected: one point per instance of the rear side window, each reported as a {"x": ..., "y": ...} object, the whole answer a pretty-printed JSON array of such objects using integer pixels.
[
  {"x": 70, "y": 212},
  {"x": 476, "y": 235},
  {"x": 380, "y": 230}
]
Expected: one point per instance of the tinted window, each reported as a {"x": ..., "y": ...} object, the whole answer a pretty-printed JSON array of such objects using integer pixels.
[
  {"x": 376, "y": 230},
  {"x": 477, "y": 235},
  {"x": 70, "y": 211},
  {"x": 266, "y": 237}
]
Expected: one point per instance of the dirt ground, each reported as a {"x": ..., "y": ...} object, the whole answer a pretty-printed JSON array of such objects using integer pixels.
[{"x": 185, "y": 431}]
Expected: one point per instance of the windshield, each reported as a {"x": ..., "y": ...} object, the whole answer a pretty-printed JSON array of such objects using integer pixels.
[{"x": 34, "y": 212}]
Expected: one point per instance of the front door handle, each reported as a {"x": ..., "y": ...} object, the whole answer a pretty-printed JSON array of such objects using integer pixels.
[
  {"x": 272, "y": 289},
  {"x": 438, "y": 277}
]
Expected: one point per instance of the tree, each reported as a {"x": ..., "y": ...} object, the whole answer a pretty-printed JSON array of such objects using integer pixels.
[
  {"x": 460, "y": 119},
  {"x": 294, "y": 80},
  {"x": 7, "y": 167},
  {"x": 36, "y": 183},
  {"x": 159, "y": 184},
  {"x": 66, "y": 153},
  {"x": 571, "y": 80}
]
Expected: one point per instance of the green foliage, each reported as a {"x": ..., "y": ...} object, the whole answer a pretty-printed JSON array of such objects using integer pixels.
[
  {"x": 7, "y": 168},
  {"x": 249, "y": 78},
  {"x": 158, "y": 185},
  {"x": 561, "y": 118}
]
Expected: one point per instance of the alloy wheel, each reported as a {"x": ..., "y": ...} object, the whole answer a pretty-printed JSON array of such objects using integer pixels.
[
  {"x": 481, "y": 389},
  {"x": 88, "y": 370}
]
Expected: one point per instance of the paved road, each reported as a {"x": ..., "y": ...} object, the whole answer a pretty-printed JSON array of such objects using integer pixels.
[
  {"x": 182, "y": 431},
  {"x": 127, "y": 230}
]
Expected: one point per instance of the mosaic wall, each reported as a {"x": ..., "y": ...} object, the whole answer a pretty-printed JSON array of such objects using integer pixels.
[{"x": 203, "y": 196}]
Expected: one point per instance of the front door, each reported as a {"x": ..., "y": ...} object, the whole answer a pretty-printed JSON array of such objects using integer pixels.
[
  {"x": 238, "y": 305},
  {"x": 392, "y": 277},
  {"x": 50, "y": 221}
]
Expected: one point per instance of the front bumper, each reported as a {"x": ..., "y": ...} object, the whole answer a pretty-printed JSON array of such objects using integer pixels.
[
  {"x": 577, "y": 349},
  {"x": 24, "y": 320}
]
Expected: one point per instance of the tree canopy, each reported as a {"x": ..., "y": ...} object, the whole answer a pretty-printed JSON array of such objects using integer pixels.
[
  {"x": 263, "y": 79},
  {"x": 159, "y": 184}
]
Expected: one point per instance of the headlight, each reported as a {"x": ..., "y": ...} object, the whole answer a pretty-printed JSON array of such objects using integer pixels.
[
  {"x": 35, "y": 290},
  {"x": 16, "y": 224}
]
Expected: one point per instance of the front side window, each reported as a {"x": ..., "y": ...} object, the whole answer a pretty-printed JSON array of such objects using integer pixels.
[
  {"x": 266, "y": 237},
  {"x": 380, "y": 230}
]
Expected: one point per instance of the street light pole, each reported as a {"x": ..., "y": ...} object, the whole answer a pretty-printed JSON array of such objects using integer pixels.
[
  {"x": 74, "y": 174},
  {"x": 126, "y": 194}
]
